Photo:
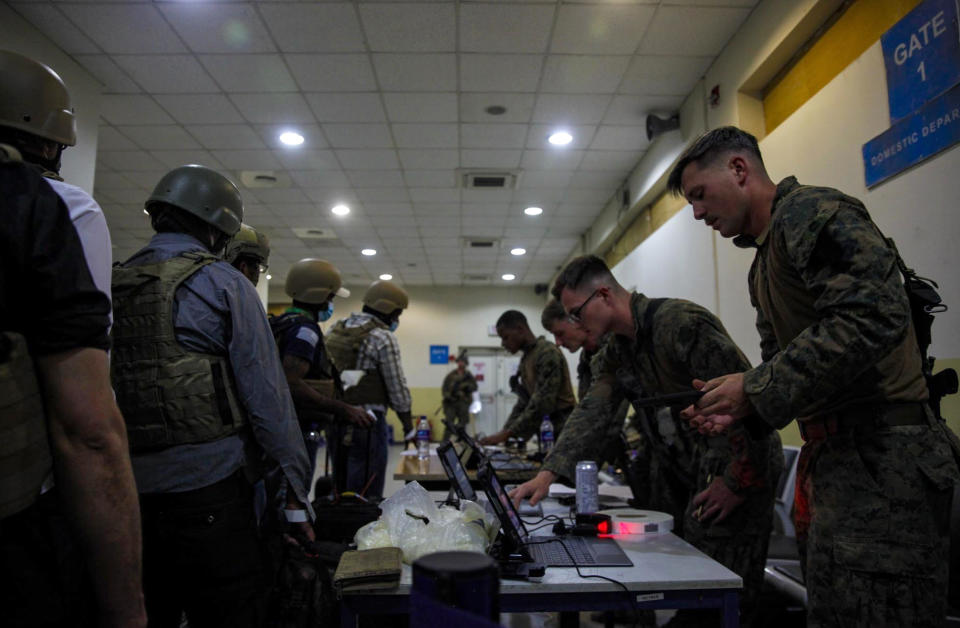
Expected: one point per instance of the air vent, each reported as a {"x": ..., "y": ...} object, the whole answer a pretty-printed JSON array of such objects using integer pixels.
[
  {"x": 476, "y": 277},
  {"x": 481, "y": 243},
  {"x": 264, "y": 179},
  {"x": 314, "y": 233},
  {"x": 488, "y": 179}
]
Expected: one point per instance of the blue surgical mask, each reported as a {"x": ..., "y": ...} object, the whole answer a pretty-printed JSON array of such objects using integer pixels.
[
  {"x": 394, "y": 325},
  {"x": 325, "y": 314}
]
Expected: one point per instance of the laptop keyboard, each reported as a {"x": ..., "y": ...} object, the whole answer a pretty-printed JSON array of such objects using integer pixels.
[{"x": 554, "y": 554}]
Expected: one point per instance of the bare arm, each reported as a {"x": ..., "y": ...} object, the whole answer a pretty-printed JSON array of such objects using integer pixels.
[
  {"x": 295, "y": 369},
  {"x": 95, "y": 479}
]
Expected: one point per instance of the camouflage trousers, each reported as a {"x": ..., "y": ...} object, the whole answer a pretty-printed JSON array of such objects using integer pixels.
[
  {"x": 872, "y": 517},
  {"x": 739, "y": 542},
  {"x": 457, "y": 413}
]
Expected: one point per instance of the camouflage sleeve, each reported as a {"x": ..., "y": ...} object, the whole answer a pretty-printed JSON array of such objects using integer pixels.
[
  {"x": 469, "y": 384},
  {"x": 862, "y": 308},
  {"x": 549, "y": 367},
  {"x": 584, "y": 373},
  {"x": 592, "y": 416}
]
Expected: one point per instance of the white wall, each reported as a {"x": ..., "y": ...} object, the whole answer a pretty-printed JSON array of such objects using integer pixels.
[
  {"x": 79, "y": 162},
  {"x": 453, "y": 316}
]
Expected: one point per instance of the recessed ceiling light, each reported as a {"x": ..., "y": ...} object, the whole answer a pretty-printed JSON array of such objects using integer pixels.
[
  {"x": 369, "y": 252},
  {"x": 508, "y": 277},
  {"x": 386, "y": 276},
  {"x": 533, "y": 211},
  {"x": 269, "y": 277},
  {"x": 560, "y": 138},
  {"x": 518, "y": 251},
  {"x": 340, "y": 210},
  {"x": 291, "y": 138}
]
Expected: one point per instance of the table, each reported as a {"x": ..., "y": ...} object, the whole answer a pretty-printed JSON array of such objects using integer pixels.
[
  {"x": 668, "y": 573},
  {"x": 430, "y": 474}
]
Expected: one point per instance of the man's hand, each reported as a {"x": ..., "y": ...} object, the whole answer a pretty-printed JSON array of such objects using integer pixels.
[
  {"x": 495, "y": 439},
  {"x": 535, "y": 489},
  {"x": 717, "y": 500},
  {"x": 298, "y": 532},
  {"x": 724, "y": 402},
  {"x": 358, "y": 416}
]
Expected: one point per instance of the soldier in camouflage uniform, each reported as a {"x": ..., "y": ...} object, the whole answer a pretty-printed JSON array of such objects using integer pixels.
[
  {"x": 544, "y": 376},
  {"x": 840, "y": 355},
  {"x": 458, "y": 388},
  {"x": 720, "y": 490}
]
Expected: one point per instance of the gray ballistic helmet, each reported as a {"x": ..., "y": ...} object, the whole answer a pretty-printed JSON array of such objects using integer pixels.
[
  {"x": 34, "y": 99},
  {"x": 385, "y": 297},
  {"x": 203, "y": 192},
  {"x": 248, "y": 241},
  {"x": 314, "y": 280}
]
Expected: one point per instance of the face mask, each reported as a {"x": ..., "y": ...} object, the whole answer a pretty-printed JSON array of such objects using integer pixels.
[
  {"x": 394, "y": 325},
  {"x": 325, "y": 314}
]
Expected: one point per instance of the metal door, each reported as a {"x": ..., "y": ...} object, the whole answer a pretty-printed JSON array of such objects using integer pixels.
[{"x": 492, "y": 368}]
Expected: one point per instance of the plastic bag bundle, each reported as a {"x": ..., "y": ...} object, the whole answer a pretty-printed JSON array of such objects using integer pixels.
[{"x": 411, "y": 521}]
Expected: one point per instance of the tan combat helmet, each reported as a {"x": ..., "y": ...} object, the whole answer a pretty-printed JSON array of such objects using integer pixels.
[
  {"x": 203, "y": 192},
  {"x": 385, "y": 297},
  {"x": 313, "y": 280},
  {"x": 34, "y": 99},
  {"x": 248, "y": 241}
]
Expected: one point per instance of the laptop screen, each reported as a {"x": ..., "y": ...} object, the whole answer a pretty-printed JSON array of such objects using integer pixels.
[
  {"x": 456, "y": 472},
  {"x": 509, "y": 519}
]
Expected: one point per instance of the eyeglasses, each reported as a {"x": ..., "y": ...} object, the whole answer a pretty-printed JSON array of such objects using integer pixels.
[{"x": 574, "y": 315}]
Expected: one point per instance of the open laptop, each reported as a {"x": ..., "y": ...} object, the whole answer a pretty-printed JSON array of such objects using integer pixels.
[
  {"x": 472, "y": 453},
  {"x": 551, "y": 551},
  {"x": 455, "y": 471}
]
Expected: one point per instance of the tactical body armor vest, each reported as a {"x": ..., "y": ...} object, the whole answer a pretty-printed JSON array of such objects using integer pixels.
[
  {"x": 25, "y": 460},
  {"x": 168, "y": 395},
  {"x": 343, "y": 344},
  {"x": 322, "y": 376}
]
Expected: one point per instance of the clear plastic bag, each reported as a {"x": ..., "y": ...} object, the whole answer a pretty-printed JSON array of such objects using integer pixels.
[{"x": 411, "y": 521}]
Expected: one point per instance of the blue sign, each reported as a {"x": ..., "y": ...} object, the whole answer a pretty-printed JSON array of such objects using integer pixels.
[
  {"x": 439, "y": 354},
  {"x": 922, "y": 56},
  {"x": 933, "y": 128}
]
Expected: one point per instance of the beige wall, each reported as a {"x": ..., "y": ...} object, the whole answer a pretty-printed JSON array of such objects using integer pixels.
[{"x": 79, "y": 162}]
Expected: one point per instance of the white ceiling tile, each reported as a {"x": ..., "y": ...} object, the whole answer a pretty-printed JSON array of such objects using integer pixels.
[
  {"x": 114, "y": 80},
  {"x": 533, "y": 179},
  {"x": 123, "y": 160},
  {"x": 570, "y": 108},
  {"x": 494, "y": 159},
  {"x": 425, "y": 135},
  {"x": 664, "y": 75},
  {"x": 313, "y": 26},
  {"x": 543, "y": 197},
  {"x": 109, "y": 138},
  {"x": 132, "y": 196},
  {"x": 200, "y": 108},
  {"x": 109, "y": 25},
  {"x": 56, "y": 27},
  {"x": 429, "y": 178},
  {"x": 381, "y": 195},
  {"x": 435, "y": 195},
  {"x": 551, "y": 159},
  {"x": 499, "y": 73},
  {"x": 434, "y": 209},
  {"x": 409, "y": 27},
  {"x": 226, "y": 136},
  {"x": 167, "y": 74},
  {"x": 132, "y": 109},
  {"x": 429, "y": 159},
  {"x": 505, "y": 28},
  {"x": 160, "y": 137},
  {"x": 389, "y": 208},
  {"x": 250, "y": 73},
  {"x": 416, "y": 72},
  {"x": 611, "y": 160},
  {"x": 248, "y": 159},
  {"x": 326, "y": 178},
  {"x": 332, "y": 72},
  {"x": 174, "y": 158},
  {"x": 486, "y": 196},
  {"x": 583, "y": 74},
  {"x": 273, "y": 108},
  {"x": 432, "y": 232},
  {"x": 519, "y": 107},
  {"x": 423, "y": 107},
  {"x": 634, "y": 109},
  {"x": 493, "y": 135},
  {"x": 597, "y": 179},
  {"x": 219, "y": 27},
  {"x": 692, "y": 30},
  {"x": 146, "y": 177},
  {"x": 587, "y": 195},
  {"x": 375, "y": 178},
  {"x": 600, "y": 29},
  {"x": 632, "y": 138},
  {"x": 362, "y": 107},
  {"x": 358, "y": 135},
  {"x": 582, "y": 136},
  {"x": 486, "y": 209},
  {"x": 107, "y": 180},
  {"x": 308, "y": 159},
  {"x": 281, "y": 198},
  {"x": 368, "y": 159}
]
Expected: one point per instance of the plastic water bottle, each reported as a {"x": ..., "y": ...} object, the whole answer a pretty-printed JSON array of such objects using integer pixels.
[
  {"x": 546, "y": 435},
  {"x": 587, "y": 490},
  {"x": 423, "y": 438}
]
